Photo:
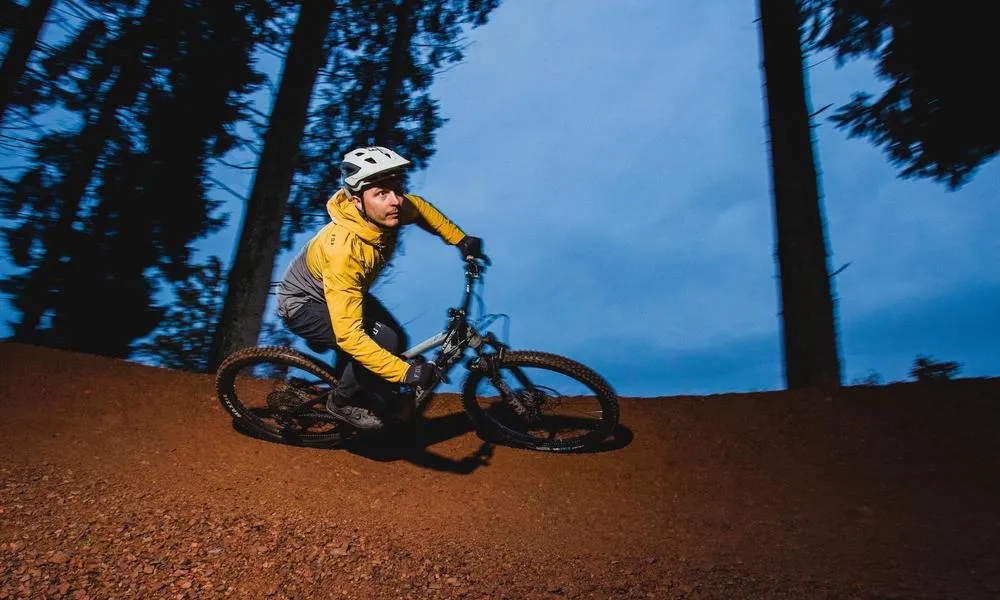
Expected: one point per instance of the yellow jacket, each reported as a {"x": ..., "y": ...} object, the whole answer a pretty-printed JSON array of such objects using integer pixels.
[{"x": 347, "y": 256}]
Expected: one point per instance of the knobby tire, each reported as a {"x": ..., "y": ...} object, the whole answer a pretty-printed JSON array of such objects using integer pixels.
[
  {"x": 253, "y": 421},
  {"x": 506, "y": 432}
]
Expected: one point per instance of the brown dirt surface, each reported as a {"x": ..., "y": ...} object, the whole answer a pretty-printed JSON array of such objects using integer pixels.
[{"x": 126, "y": 481}]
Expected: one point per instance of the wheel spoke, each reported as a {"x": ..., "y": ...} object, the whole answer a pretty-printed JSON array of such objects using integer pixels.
[
  {"x": 278, "y": 394},
  {"x": 542, "y": 401}
]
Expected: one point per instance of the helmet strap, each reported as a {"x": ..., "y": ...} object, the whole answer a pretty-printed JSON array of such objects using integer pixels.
[
  {"x": 360, "y": 195},
  {"x": 364, "y": 213}
]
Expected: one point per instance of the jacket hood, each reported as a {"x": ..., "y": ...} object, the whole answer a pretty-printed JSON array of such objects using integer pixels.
[{"x": 342, "y": 210}]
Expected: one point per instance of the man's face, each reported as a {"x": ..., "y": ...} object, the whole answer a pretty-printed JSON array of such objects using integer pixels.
[{"x": 383, "y": 202}]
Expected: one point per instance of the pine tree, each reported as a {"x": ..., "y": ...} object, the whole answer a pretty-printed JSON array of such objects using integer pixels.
[
  {"x": 811, "y": 355},
  {"x": 182, "y": 339},
  {"x": 27, "y": 25},
  {"x": 176, "y": 77},
  {"x": 937, "y": 119},
  {"x": 67, "y": 195}
]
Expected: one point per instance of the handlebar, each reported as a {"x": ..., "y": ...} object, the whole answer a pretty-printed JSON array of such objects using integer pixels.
[
  {"x": 474, "y": 268},
  {"x": 475, "y": 265}
]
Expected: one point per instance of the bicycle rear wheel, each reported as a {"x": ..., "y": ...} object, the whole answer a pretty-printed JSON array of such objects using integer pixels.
[
  {"x": 278, "y": 394},
  {"x": 541, "y": 401}
]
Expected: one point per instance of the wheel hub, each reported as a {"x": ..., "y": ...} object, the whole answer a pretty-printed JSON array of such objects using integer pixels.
[
  {"x": 526, "y": 404},
  {"x": 284, "y": 400}
]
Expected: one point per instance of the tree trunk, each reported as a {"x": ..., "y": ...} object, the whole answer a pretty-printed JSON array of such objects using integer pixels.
[
  {"x": 807, "y": 310},
  {"x": 249, "y": 278},
  {"x": 16, "y": 61}
]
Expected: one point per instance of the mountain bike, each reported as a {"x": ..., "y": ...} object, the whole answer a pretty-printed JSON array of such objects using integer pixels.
[{"x": 520, "y": 398}]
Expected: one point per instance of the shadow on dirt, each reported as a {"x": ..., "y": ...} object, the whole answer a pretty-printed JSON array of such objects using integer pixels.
[
  {"x": 619, "y": 438},
  {"x": 410, "y": 442}
]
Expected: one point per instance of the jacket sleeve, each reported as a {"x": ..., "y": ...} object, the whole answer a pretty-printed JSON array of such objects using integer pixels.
[
  {"x": 430, "y": 218},
  {"x": 342, "y": 287}
]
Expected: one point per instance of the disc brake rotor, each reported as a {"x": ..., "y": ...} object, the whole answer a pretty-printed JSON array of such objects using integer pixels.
[
  {"x": 280, "y": 403},
  {"x": 527, "y": 404},
  {"x": 284, "y": 399}
]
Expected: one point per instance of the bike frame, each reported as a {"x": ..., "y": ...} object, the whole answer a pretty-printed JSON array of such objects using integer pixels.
[{"x": 457, "y": 337}]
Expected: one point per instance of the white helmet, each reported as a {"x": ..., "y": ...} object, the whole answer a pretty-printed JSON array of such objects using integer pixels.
[{"x": 364, "y": 166}]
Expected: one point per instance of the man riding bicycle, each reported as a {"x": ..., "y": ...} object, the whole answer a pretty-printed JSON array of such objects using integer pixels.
[{"x": 324, "y": 296}]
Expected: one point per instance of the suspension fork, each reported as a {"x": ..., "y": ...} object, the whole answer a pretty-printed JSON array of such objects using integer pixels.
[{"x": 491, "y": 362}]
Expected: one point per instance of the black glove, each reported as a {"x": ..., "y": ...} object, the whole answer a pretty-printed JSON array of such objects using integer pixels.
[
  {"x": 472, "y": 246},
  {"x": 420, "y": 374}
]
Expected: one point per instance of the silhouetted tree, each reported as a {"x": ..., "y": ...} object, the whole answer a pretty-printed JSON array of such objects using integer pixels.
[
  {"x": 925, "y": 368},
  {"x": 129, "y": 187},
  {"x": 10, "y": 15},
  {"x": 119, "y": 66},
  {"x": 190, "y": 120},
  {"x": 811, "y": 356},
  {"x": 182, "y": 339},
  {"x": 60, "y": 74},
  {"x": 27, "y": 25},
  {"x": 938, "y": 117}
]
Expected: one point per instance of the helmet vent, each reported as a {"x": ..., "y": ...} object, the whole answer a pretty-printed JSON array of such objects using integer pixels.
[{"x": 363, "y": 166}]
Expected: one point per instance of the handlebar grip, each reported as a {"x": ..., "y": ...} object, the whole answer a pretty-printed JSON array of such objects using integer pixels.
[{"x": 486, "y": 259}]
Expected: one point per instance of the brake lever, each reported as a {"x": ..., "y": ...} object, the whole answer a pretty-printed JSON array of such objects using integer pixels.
[
  {"x": 478, "y": 262},
  {"x": 440, "y": 372}
]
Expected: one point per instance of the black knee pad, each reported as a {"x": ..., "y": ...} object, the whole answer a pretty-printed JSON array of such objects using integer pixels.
[{"x": 385, "y": 336}]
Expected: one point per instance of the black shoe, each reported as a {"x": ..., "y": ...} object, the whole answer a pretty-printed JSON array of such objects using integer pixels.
[{"x": 355, "y": 416}]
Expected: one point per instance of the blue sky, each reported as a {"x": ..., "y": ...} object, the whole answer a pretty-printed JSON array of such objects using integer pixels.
[{"x": 613, "y": 156}]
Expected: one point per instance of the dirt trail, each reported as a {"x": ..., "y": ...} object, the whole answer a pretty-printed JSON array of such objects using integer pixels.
[{"x": 126, "y": 481}]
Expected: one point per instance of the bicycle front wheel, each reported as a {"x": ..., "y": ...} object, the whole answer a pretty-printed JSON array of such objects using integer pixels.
[
  {"x": 278, "y": 394},
  {"x": 541, "y": 401}
]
